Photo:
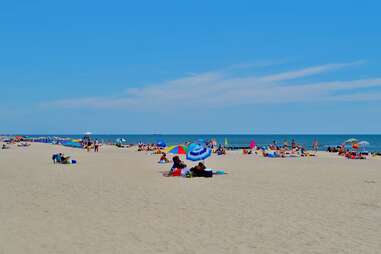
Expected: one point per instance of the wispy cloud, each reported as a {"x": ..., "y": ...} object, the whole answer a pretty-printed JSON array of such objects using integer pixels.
[{"x": 213, "y": 89}]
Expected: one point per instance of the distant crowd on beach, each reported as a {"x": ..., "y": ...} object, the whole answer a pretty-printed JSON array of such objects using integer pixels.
[
  {"x": 351, "y": 149},
  {"x": 89, "y": 144}
]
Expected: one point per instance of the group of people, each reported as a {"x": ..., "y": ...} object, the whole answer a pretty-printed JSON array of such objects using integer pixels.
[
  {"x": 286, "y": 150},
  {"x": 88, "y": 145},
  {"x": 347, "y": 153},
  {"x": 5, "y": 146},
  {"x": 148, "y": 148},
  {"x": 61, "y": 158},
  {"x": 179, "y": 168},
  {"x": 19, "y": 144},
  {"x": 220, "y": 150}
]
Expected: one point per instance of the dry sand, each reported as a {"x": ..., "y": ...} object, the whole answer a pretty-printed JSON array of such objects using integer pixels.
[{"x": 117, "y": 201}]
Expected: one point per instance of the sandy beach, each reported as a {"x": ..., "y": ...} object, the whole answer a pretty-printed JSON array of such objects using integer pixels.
[{"x": 117, "y": 201}]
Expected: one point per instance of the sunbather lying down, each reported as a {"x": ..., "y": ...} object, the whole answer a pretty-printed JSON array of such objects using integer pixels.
[
  {"x": 62, "y": 159},
  {"x": 200, "y": 170}
]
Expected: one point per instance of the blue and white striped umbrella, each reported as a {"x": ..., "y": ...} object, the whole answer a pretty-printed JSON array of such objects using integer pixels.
[{"x": 199, "y": 153}]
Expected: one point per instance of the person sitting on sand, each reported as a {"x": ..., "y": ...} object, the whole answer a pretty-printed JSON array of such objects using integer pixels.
[
  {"x": 163, "y": 158},
  {"x": 60, "y": 158},
  {"x": 177, "y": 163},
  {"x": 56, "y": 158},
  {"x": 177, "y": 168},
  {"x": 341, "y": 151},
  {"x": 220, "y": 150}
]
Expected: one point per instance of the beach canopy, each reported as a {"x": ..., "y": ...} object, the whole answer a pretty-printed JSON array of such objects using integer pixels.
[
  {"x": 351, "y": 141},
  {"x": 177, "y": 149},
  {"x": 199, "y": 153}
]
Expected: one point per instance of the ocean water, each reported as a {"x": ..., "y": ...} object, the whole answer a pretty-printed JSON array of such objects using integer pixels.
[{"x": 241, "y": 140}]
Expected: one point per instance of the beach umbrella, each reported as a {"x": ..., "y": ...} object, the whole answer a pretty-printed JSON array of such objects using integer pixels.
[
  {"x": 200, "y": 141},
  {"x": 351, "y": 141},
  {"x": 252, "y": 144},
  {"x": 177, "y": 149},
  {"x": 191, "y": 146},
  {"x": 161, "y": 144},
  {"x": 363, "y": 143},
  {"x": 120, "y": 140},
  {"x": 199, "y": 153}
]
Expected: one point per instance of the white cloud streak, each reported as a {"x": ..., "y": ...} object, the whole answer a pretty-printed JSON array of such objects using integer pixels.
[{"x": 214, "y": 89}]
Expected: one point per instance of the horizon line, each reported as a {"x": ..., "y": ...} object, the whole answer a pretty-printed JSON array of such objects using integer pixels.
[{"x": 190, "y": 134}]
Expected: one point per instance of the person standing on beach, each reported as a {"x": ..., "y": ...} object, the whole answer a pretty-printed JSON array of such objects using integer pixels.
[
  {"x": 315, "y": 145},
  {"x": 96, "y": 146},
  {"x": 293, "y": 144}
]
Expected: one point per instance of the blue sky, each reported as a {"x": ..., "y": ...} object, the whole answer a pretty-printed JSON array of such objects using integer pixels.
[{"x": 190, "y": 67}]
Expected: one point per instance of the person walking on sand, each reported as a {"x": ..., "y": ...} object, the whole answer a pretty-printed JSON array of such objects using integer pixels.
[
  {"x": 96, "y": 146},
  {"x": 88, "y": 146}
]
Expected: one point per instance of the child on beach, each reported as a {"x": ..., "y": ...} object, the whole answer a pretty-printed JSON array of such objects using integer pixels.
[{"x": 163, "y": 158}]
